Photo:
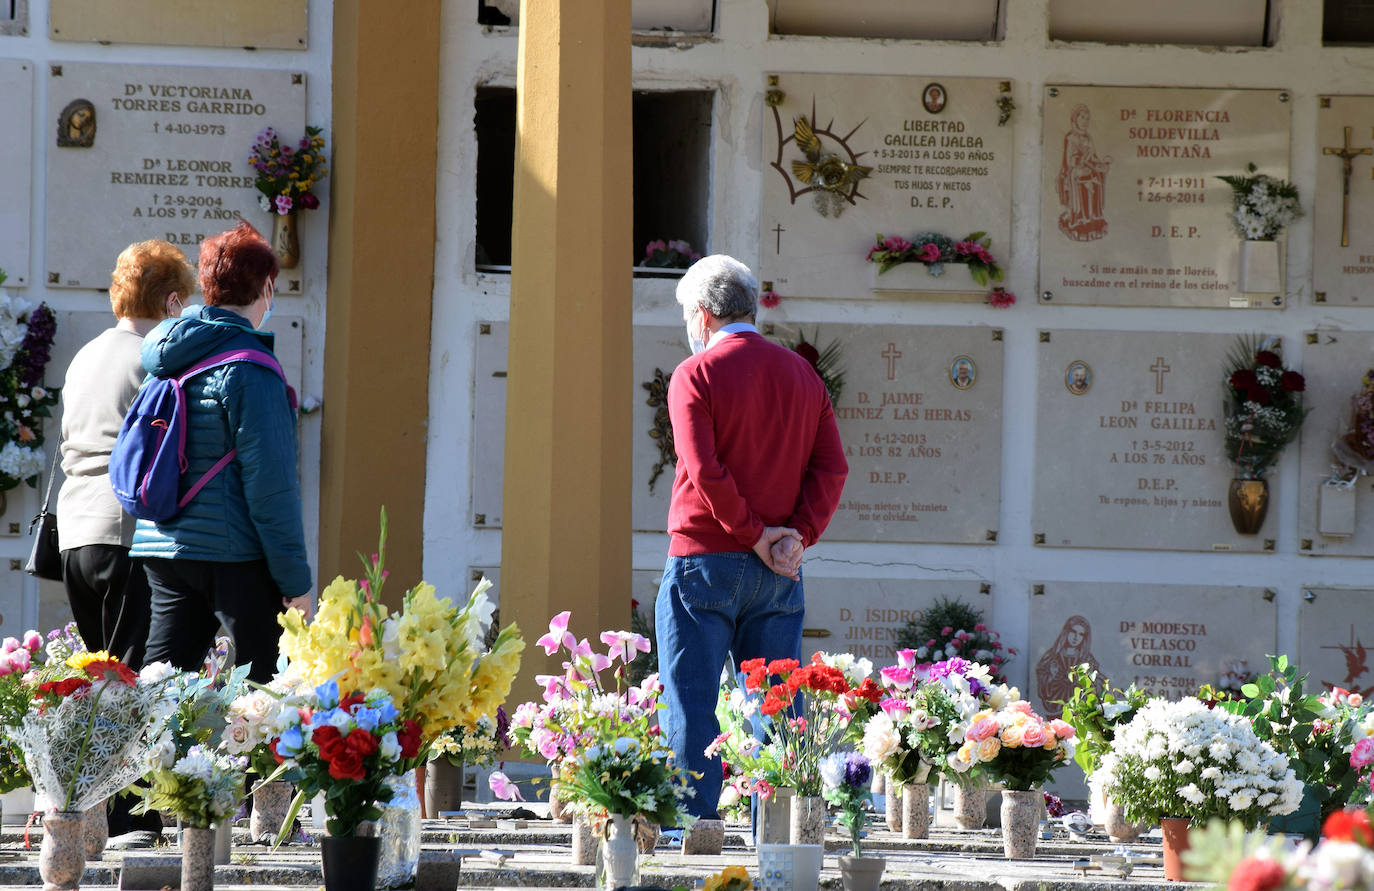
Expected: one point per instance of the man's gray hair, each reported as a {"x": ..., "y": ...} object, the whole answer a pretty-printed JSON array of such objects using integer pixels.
[{"x": 721, "y": 285}]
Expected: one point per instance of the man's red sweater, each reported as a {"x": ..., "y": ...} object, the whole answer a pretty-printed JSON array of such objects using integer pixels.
[{"x": 757, "y": 446}]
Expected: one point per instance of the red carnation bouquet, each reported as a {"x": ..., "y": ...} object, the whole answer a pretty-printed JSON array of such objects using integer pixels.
[
  {"x": 90, "y": 726},
  {"x": 1263, "y": 406},
  {"x": 346, "y": 746},
  {"x": 806, "y": 710}
]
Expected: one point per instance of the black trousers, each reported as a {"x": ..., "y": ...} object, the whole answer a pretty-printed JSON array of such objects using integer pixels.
[
  {"x": 191, "y": 599},
  {"x": 108, "y": 593}
]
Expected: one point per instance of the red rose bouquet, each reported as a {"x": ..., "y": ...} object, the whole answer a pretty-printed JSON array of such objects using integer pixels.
[
  {"x": 346, "y": 746},
  {"x": 1263, "y": 406}
]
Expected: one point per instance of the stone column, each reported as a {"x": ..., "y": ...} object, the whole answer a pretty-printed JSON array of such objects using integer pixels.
[
  {"x": 566, "y": 504},
  {"x": 381, "y": 285}
]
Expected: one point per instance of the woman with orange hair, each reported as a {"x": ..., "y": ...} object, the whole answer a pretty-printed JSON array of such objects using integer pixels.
[{"x": 106, "y": 588}]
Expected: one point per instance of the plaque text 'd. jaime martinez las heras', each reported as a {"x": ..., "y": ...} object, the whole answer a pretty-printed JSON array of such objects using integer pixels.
[
  {"x": 921, "y": 421},
  {"x": 142, "y": 151},
  {"x": 1128, "y": 443},
  {"x": 1132, "y": 212},
  {"x": 894, "y": 155}
]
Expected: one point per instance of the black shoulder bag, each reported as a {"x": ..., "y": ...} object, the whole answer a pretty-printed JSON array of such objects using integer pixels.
[{"x": 45, "y": 560}]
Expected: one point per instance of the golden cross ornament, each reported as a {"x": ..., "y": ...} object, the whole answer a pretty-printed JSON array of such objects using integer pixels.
[{"x": 1347, "y": 155}]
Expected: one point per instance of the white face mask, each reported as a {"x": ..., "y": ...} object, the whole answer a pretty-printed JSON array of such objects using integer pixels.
[{"x": 695, "y": 343}]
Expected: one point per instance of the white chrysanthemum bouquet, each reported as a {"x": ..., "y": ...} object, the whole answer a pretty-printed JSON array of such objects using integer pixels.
[
  {"x": 1182, "y": 759},
  {"x": 1263, "y": 206}
]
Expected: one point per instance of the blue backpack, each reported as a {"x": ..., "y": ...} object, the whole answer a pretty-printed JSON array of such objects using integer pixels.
[{"x": 149, "y": 456}]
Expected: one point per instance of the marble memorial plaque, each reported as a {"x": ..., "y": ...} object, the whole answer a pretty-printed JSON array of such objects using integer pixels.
[
  {"x": 1131, "y": 210},
  {"x": 1333, "y": 625},
  {"x": 16, "y": 173},
  {"x": 865, "y": 616},
  {"x": 1343, "y": 210},
  {"x": 657, "y": 351},
  {"x": 1333, "y": 363},
  {"x": 142, "y": 151},
  {"x": 489, "y": 415},
  {"x": 14, "y": 18},
  {"x": 12, "y": 602},
  {"x": 1167, "y": 639},
  {"x": 259, "y": 24},
  {"x": 937, "y": 160},
  {"x": 1128, "y": 443},
  {"x": 921, "y": 421}
]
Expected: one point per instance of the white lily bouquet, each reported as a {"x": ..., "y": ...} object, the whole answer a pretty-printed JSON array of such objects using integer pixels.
[
  {"x": 91, "y": 726},
  {"x": 1182, "y": 759}
]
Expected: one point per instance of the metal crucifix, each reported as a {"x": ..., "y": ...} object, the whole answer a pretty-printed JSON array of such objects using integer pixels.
[{"x": 1347, "y": 155}]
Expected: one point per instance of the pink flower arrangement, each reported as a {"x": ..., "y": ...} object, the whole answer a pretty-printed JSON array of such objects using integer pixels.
[
  {"x": 671, "y": 254},
  {"x": 1001, "y": 298},
  {"x": 769, "y": 299},
  {"x": 1014, "y": 745},
  {"x": 580, "y": 710}
]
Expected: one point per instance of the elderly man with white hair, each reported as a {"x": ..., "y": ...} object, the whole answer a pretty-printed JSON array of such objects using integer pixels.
[{"x": 759, "y": 473}]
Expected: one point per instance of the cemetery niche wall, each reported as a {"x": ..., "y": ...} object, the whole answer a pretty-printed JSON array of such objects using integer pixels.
[
  {"x": 920, "y": 414},
  {"x": 1132, "y": 212},
  {"x": 1129, "y": 443},
  {"x": 143, "y": 151},
  {"x": 848, "y": 156}
]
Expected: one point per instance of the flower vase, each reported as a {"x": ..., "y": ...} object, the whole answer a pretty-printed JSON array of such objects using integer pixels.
[
  {"x": 1248, "y": 501},
  {"x": 617, "y": 855},
  {"x": 62, "y": 859},
  {"x": 1259, "y": 267},
  {"x": 197, "y": 858},
  {"x": 350, "y": 862},
  {"x": 970, "y": 805},
  {"x": 583, "y": 842},
  {"x": 558, "y": 810},
  {"x": 893, "y": 806},
  {"x": 775, "y": 817},
  {"x": 96, "y": 830},
  {"x": 807, "y": 821},
  {"x": 443, "y": 787},
  {"x": 1119, "y": 829},
  {"x": 224, "y": 841},
  {"x": 399, "y": 833},
  {"x": 915, "y": 811},
  {"x": 285, "y": 241},
  {"x": 271, "y": 804},
  {"x": 647, "y": 833},
  {"x": 862, "y": 873},
  {"x": 1175, "y": 832},
  {"x": 1021, "y": 811}
]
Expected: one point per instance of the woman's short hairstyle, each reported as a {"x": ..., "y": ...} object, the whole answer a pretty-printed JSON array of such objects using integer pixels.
[
  {"x": 721, "y": 285},
  {"x": 144, "y": 275},
  {"x": 234, "y": 265}
]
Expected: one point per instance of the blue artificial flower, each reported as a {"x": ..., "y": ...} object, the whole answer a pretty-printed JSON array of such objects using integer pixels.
[
  {"x": 386, "y": 712},
  {"x": 936, "y": 270},
  {"x": 328, "y": 694},
  {"x": 366, "y": 718},
  {"x": 291, "y": 742}
]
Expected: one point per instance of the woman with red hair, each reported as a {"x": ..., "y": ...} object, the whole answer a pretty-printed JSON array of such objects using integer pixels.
[{"x": 235, "y": 554}]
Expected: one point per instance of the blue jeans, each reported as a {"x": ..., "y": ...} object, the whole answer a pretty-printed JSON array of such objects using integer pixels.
[{"x": 710, "y": 605}]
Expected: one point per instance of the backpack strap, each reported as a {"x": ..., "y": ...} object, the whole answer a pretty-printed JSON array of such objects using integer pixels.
[{"x": 257, "y": 357}]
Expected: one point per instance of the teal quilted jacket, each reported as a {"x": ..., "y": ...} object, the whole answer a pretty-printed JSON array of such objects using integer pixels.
[{"x": 252, "y": 509}]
